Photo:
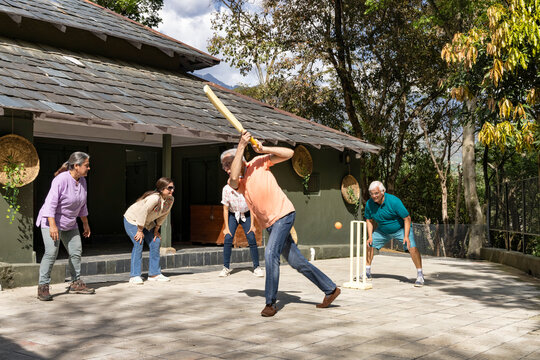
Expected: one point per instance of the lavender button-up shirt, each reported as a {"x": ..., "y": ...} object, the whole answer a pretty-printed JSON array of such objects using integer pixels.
[{"x": 65, "y": 202}]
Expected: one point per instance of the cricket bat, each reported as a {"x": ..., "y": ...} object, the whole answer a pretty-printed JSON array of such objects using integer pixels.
[{"x": 225, "y": 112}]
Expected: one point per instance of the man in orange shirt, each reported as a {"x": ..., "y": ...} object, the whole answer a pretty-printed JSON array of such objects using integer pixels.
[{"x": 276, "y": 213}]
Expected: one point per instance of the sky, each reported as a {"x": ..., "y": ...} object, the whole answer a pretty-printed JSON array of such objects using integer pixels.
[{"x": 189, "y": 22}]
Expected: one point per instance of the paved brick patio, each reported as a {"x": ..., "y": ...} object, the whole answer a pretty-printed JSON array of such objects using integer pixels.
[{"x": 467, "y": 310}]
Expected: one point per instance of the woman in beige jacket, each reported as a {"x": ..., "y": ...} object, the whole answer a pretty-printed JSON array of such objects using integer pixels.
[{"x": 142, "y": 221}]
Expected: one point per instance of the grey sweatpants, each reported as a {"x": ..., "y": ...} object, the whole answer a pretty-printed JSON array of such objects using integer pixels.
[{"x": 72, "y": 242}]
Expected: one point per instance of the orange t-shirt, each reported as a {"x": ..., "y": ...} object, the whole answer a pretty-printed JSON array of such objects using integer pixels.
[{"x": 262, "y": 193}]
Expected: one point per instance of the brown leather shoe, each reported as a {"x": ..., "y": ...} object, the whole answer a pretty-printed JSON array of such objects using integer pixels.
[
  {"x": 329, "y": 298},
  {"x": 269, "y": 310},
  {"x": 79, "y": 287},
  {"x": 43, "y": 292}
]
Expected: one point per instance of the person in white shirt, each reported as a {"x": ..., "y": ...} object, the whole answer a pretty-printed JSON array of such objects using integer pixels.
[{"x": 236, "y": 212}]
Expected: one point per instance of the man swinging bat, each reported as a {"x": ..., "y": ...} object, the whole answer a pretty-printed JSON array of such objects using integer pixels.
[{"x": 276, "y": 213}]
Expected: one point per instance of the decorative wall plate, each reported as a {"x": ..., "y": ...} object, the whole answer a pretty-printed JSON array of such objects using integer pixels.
[
  {"x": 350, "y": 190},
  {"x": 301, "y": 161},
  {"x": 19, "y": 150}
]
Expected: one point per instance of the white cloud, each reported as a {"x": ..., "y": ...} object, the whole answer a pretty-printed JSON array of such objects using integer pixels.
[
  {"x": 188, "y": 21},
  {"x": 188, "y": 8}
]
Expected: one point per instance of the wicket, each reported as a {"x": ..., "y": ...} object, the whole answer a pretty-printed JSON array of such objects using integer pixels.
[{"x": 359, "y": 229}]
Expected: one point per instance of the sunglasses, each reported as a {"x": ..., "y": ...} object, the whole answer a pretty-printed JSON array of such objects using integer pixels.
[{"x": 170, "y": 188}]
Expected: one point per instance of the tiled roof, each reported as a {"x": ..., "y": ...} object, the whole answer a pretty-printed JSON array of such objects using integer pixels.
[
  {"x": 76, "y": 87},
  {"x": 87, "y": 16}
]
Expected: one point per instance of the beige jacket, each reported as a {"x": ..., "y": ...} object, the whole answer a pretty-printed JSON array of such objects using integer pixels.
[{"x": 149, "y": 212}]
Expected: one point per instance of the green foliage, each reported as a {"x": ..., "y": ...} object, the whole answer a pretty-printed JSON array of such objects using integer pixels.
[
  {"x": 355, "y": 200},
  {"x": 418, "y": 188},
  {"x": 496, "y": 66},
  {"x": 14, "y": 173},
  {"x": 535, "y": 246},
  {"x": 305, "y": 181},
  {"x": 370, "y": 68},
  {"x": 365, "y": 70},
  {"x": 303, "y": 97},
  {"x": 145, "y": 12}
]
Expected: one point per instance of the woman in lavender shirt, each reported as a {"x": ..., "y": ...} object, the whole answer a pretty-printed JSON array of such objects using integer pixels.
[{"x": 57, "y": 218}]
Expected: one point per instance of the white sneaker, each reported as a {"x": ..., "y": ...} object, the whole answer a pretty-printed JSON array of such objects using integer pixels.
[
  {"x": 258, "y": 271},
  {"x": 160, "y": 278},
  {"x": 137, "y": 280},
  {"x": 419, "y": 281},
  {"x": 225, "y": 272}
]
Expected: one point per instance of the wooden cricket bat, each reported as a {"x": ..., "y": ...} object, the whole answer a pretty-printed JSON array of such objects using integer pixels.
[{"x": 225, "y": 112}]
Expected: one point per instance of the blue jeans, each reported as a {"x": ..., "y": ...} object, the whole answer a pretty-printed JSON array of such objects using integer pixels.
[
  {"x": 250, "y": 236},
  {"x": 280, "y": 242},
  {"x": 72, "y": 242},
  {"x": 136, "y": 254}
]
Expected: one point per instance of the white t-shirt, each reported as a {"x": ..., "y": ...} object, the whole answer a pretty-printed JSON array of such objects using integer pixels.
[{"x": 235, "y": 201}]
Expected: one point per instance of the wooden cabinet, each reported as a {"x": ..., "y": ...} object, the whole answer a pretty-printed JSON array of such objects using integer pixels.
[{"x": 207, "y": 227}]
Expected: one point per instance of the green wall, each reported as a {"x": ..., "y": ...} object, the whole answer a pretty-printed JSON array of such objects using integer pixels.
[
  {"x": 16, "y": 242},
  {"x": 315, "y": 213}
]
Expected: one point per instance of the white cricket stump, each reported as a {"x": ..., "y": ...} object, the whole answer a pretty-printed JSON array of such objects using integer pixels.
[{"x": 358, "y": 231}]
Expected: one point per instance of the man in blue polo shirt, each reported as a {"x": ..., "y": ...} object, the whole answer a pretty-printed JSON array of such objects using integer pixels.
[{"x": 387, "y": 218}]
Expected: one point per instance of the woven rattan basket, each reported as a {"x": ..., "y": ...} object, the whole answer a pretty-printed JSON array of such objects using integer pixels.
[
  {"x": 350, "y": 182},
  {"x": 302, "y": 162},
  {"x": 21, "y": 151}
]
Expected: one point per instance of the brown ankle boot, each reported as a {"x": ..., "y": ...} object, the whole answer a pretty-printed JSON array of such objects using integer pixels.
[
  {"x": 79, "y": 287},
  {"x": 43, "y": 292}
]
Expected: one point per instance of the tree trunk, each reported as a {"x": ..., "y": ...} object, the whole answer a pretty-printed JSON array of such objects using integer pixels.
[
  {"x": 444, "y": 212},
  {"x": 472, "y": 203},
  {"x": 343, "y": 70},
  {"x": 456, "y": 213}
]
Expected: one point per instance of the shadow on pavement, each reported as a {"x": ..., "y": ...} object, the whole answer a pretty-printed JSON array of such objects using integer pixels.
[
  {"x": 392, "y": 276},
  {"x": 12, "y": 351},
  {"x": 239, "y": 269},
  {"x": 284, "y": 298},
  {"x": 485, "y": 285}
]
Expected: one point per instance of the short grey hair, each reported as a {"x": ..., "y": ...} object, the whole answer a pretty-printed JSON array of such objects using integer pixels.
[
  {"x": 230, "y": 152},
  {"x": 377, "y": 184}
]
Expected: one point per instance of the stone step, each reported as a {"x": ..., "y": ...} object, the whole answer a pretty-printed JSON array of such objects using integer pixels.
[{"x": 120, "y": 263}]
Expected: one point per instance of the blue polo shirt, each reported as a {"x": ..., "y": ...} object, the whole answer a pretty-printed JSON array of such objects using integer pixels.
[{"x": 389, "y": 215}]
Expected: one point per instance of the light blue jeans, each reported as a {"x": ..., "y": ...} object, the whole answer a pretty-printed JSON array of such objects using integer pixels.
[
  {"x": 250, "y": 236},
  {"x": 72, "y": 242},
  {"x": 136, "y": 254},
  {"x": 280, "y": 242}
]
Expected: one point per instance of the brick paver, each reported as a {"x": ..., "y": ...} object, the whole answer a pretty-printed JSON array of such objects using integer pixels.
[{"x": 466, "y": 310}]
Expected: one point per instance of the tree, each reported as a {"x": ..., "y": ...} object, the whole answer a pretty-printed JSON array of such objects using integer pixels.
[
  {"x": 303, "y": 97},
  {"x": 142, "y": 11},
  {"x": 444, "y": 118},
  {"x": 499, "y": 67},
  {"x": 496, "y": 73},
  {"x": 382, "y": 66}
]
